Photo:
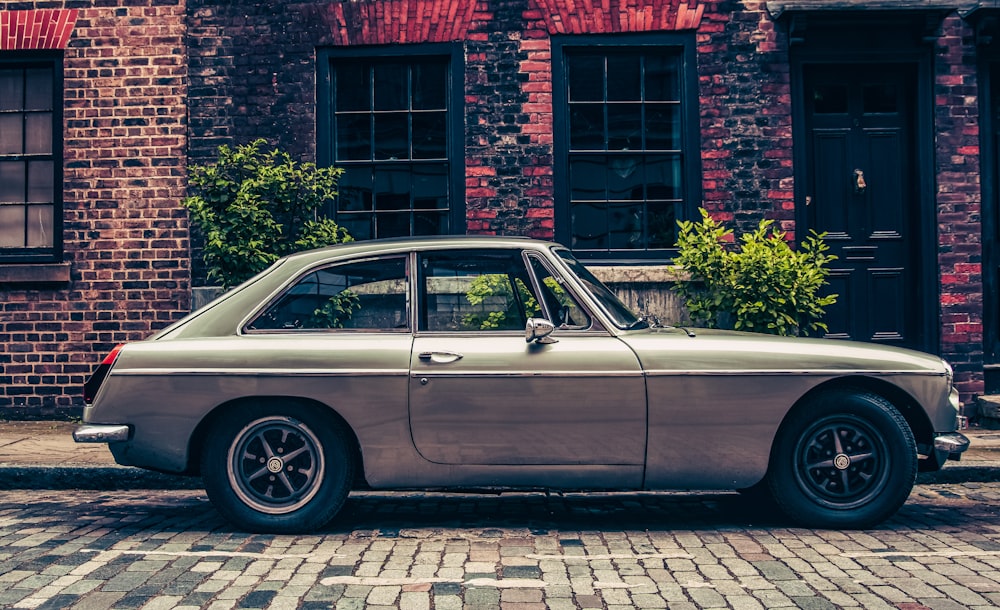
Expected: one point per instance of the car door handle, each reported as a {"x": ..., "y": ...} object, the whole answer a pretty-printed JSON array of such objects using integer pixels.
[{"x": 440, "y": 357}]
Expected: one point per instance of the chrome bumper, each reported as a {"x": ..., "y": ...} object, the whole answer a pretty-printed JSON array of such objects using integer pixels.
[
  {"x": 101, "y": 433},
  {"x": 952, "y": 444}
]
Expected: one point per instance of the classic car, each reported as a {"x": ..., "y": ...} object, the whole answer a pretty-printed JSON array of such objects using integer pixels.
[{"x": 480, "y": 363}]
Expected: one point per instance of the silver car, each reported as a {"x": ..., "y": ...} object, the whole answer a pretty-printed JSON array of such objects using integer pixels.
[{"x": 502, "y": 363}]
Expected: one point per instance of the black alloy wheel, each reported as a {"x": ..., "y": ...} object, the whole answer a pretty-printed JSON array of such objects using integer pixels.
[
  {"x": 277, "y": 469},
  {"x": 847, "y": 459}
]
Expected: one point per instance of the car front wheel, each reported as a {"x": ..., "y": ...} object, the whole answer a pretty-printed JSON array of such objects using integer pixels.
[
  {"x": 282, "y": 469},
  {"x": 847, "y": 459}
]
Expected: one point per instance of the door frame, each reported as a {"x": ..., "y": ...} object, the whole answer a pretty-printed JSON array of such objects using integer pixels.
[
  {"x": 846, "y": 44},
  {"x": 988, "y": 65}
]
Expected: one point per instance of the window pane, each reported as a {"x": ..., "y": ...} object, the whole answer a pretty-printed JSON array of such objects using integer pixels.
[
  {"x": 586, "y": 78},
  {"x": 40, "y": 182},
  {"x": 624, "y": 78},
  {"x": 625, "y": 127},
  {"x": 429, "y": 135},
  {"x": 586, "y": 127},
  {"x": 11, "y": 134},
  {"x": 430, "y": 187},
  {"x": 11, "y": 89},
  {"x": 354, "y": 140},
  {"x": 663, "y": 127},
  {"x": 663, "y": 177},
  {"x": 369, "y": 295},
  {"x": 12, "y": 176},
  {"x": 40, "y": 226},
  {"x": 830, "y": 99},
  {"x": 468, "y": 291},
  {"x": 355, "y": 189},
  {"x": 662, "y": 221},
  {"x": 392, "y": 224},
  {"x": 625, "y": 224},
  {"x": 38, "y": 89},
  {"x": 880, "y": 98},
  {"x": 392, "y": 189},
  {"x": 38, "y": 133},
  {"x": 587, "y": 181},
  {"x": 359, "y": 226},
  {"x": 567, "y": 312},
  {"x": 353, "y": 87},
  {"x": 430, "y": 86},
  {"x": 391, "y": 86},
  {"x": 590, "y": 225},
  {"x": 391, "y": 136},
  {"x": 11, "y": 226},
  {"x": 430, "y": 223},
  {"x": 625, "y": 178},
  {"x": 661, "y": 78}
]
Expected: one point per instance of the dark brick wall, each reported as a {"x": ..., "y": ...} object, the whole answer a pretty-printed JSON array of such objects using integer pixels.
[
  {"x": 126, "y": 238},
  {"x": 959, "y": 203}
]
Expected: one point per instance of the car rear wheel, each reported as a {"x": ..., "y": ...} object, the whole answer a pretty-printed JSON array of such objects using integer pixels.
[
  {"x": 277, "y": 469},
  {"x": 847, "y": 459}
]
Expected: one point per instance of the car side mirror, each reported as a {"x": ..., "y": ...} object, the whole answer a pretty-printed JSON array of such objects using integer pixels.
[{"x": 538, "y": 330}]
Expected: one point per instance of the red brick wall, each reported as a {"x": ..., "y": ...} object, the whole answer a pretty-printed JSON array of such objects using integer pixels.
[
  {"x": 126, "y": 237},
  {"x": 959, "y": 204}
]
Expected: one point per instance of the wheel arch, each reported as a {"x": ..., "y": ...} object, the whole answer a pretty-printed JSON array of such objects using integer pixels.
[
  {"x": 909, "y": 408},
  {"x": 196, "y": 443}
]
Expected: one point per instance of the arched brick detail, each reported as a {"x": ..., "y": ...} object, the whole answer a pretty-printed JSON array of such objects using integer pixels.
[
  {"x": 36, "y": 29},
  {"x": 399, "y": 21},
  {"x": 589, "y": 16}
]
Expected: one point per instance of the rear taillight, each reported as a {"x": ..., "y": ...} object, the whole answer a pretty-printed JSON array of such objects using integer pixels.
[{"x": 94, "y": 383}]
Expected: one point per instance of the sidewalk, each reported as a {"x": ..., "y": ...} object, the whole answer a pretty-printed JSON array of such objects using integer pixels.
[{"x": 42, "y": 454}]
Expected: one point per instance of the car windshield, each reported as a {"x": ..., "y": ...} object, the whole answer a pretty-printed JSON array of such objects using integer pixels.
[{"x": 620, "y": 314}]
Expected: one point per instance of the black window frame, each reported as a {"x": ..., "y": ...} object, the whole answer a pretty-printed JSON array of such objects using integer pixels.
[
  {"x": 455, "y": 120},
  {"x": 683, "y": 44},
  {"x": 51, "y": 60}
]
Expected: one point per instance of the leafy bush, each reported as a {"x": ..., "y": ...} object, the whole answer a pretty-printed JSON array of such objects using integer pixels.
[
  {"x": 763, "y": 285},
  {"x": 255, "y": 206}
]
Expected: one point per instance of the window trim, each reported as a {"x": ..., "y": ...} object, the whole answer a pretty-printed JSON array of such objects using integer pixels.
[
  {"x": 691, "y": 190},
  {"x": 53, "y": 254},
  {"x": 455, "y": 142}
]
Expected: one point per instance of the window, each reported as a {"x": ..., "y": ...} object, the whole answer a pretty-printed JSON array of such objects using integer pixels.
[
  {"x": 30, "y": 155},
  {"x": 365, "y": 295},
  {"x": 389, "y": 123},
  {"x": 476, "y": 291},
  {"x": 626, "y": 145}
]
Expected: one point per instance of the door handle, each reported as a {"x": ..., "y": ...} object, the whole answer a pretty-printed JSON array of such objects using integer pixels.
[
  {"x": 440, "y": 357},
  {"x": 860, "y": 186}
]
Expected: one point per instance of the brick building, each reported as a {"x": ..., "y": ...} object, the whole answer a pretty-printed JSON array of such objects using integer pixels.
[{"x": 598, "y": 123}]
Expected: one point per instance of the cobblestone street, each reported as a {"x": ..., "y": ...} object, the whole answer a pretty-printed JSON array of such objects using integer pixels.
[{"x": 170, "y": 549}]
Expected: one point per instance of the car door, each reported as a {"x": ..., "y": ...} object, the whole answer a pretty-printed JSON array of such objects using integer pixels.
[{"x": 481, "y": 395}]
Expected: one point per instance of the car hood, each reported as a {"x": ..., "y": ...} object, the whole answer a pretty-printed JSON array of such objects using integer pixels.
[{"x": 700, "y": 349}]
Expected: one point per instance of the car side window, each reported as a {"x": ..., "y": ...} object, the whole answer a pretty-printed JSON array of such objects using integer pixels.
[
  {"x": 363, "y": 295},
  {"x": 476, "y": 291},
  {"x": 565, "y": 310}
]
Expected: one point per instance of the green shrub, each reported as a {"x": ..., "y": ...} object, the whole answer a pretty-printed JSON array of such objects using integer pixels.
[
  {"x": 254, "y": 206},
  {"x": 760, "y": 285}
]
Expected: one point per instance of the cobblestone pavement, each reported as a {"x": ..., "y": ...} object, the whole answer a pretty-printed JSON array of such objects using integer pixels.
[{"x": 418, "y": 551}]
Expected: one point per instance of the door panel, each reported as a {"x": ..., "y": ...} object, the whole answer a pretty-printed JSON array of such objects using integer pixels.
[
  {"x": 579, "y": 401},
  {"x": 861, "y": 191}
]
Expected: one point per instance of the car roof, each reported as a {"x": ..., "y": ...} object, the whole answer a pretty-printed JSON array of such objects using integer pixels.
[{"x": 434, "y": 242}]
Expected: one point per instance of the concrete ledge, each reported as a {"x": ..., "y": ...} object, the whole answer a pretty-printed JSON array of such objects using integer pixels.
[
  {"x": 988, "y": 411},
  {"x": 28, "y": 273}
]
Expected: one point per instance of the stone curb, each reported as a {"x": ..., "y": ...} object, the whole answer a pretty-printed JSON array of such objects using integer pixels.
[{"x": 112, "y": 478}]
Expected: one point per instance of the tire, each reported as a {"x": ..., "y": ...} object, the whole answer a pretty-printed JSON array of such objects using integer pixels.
[
  {"x": 281, "y": 469},
  {"x": 846, "y": 460}
]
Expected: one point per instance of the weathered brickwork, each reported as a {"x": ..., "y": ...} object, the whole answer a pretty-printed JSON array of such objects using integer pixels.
[
  {"x": 125, "y": 235},
  {"x": 956, "y": 103}
]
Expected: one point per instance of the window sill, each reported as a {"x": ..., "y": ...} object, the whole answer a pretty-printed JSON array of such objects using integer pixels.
[
  {"x": 26, "y": 273},
  {"x": 640, "y": 274}
]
